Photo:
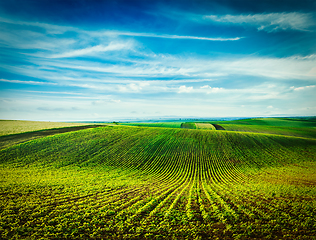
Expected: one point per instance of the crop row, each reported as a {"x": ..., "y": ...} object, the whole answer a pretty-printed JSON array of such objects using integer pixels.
[{"x": 129, "y": 182}]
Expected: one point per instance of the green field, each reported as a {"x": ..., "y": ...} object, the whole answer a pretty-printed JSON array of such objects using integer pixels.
[
  {"x": 158, "y": 124},
  {"x": 281, "y": 126},
  {"x": 279, "y": 122},
  {"x": 189, "y": 125},
  {"x": 205, "y": 126},
  {"x": 130, "y": 182},
  {"x": 14, "y": 127}
]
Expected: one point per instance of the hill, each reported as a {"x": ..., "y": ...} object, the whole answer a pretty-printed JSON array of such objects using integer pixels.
[
  {"x": 147, "y": 182},
  {"x": 282, "y": 126}
]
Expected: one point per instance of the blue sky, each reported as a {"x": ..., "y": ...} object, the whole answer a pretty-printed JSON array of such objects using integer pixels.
[{"x": 112, "y": 60}]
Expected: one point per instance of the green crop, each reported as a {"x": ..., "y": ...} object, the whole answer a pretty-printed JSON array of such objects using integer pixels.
[
  {"x": 158, "y": 124},
  {"x": 190, "y": 125},
  {"x": 126, "y": 182},
  {"x": 14, "y": 127},
  {"x": 205, "y": 126}
]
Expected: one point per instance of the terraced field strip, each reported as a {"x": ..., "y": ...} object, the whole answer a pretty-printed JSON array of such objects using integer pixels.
[
  {"x": 158, "y": 124},
  {"x": 208, "y": 126},
  {"x": 189, "y": 125},
  {"x": 13, "y": 139},
  {"x": 8, "y": 127}
]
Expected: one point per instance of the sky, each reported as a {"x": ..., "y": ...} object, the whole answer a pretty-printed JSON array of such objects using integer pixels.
[{"x": 112, "y": 60}]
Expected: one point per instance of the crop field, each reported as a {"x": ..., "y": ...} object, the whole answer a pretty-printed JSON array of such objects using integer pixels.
[
  {"x": 279, "y": 122},
  {"x": 205, "y": 126},
  {"x": 158, "y": 124},
  {"x": 189, "y": 125},
  {"x": 13, "y": 139},
  {"x": 281, "y": 126},
  {"x": 290, "y": 131},
  {"x": 130, "y": 182},
  {"x": 14, "y": 127}
]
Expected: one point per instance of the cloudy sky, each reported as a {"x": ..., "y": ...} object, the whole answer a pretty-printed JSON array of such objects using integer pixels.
[{"x": 109, "y": 60}]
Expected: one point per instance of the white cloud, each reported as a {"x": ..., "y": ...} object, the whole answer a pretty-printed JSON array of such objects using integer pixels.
[
  {"x": 136, "y": 86},
  {"x": 105, "y": 101},
  {"x": 50, "y": 28},
  {"x": 154, "y": 35},
  {"x": 302, "y": 88},
  {"x": 50, "y": 92},
  {"x": 57, "y": 29},
  {"x": 269, "y": 21},
  {"x": 95, "y": 49},
  {"x": 27, "y": 82},
  {"x": 281, "y": 68},
  {"x": 212, "y": 89},
  {"x": 184, "y": 89},
  {"x": 192, "y": 69},
  {"x": 144, "y": 62}
]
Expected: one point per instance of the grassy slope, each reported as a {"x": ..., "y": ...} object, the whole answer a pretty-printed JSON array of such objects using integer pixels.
[
  {"x": 158, "y": 124},
  {"x": 13, "y": 139},
  {"x": 282, "y": 126},
  {"x": 280, "y": 122},
  {"x": 144, "y": 182},
  {"x": 205, "y": 126},
  {"x": 14, "y": 126},
  {"x": 188, "y": 125},
  {"x": 290, "y": 131}
]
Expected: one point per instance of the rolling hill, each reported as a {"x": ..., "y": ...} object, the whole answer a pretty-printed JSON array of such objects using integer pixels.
[{"x": 132, "y": 182}]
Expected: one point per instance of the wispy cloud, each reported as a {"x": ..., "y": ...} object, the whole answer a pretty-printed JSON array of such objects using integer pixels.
[
  {"x": 57, "y": 109},
  {"x": 51, "y": 92},
  {"x": 50, "y": 28},
  {"x": 155, "y": 35},
  {"x": 59, "y": 30},
  {"x": 302, "y": 88},
  {"x": 269, "y": 21},
  {"x": 27, "y": 82},
  {"x": 80, "y": 66},
  {"x": 95, "y": 49},
  {"x": 132, "y": 87},
  {"x": 96, "y": 75},
  {"x": 212, "y": 89}
]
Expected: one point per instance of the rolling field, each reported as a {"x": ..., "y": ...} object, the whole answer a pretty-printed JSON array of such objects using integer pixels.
[
  {"x": 279, "y": 122},
  {"x": 128, "y": 182},
  {"x": 280, "y": 126},
  {"x": 15, "y": 127},
  {"x": 205, "y": 126},
  {"x": 189, "y": 125},
  {"x": 158, "y": 124},
  {"x": 13, "y": 139}
]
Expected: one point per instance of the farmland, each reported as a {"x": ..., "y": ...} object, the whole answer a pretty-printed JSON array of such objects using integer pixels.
[
  {"x": 157, "y": 124},
  {"x": 15, "y": 127},
  {"x": 281, "y": 126},
  {"x": 161, "y": 182}
]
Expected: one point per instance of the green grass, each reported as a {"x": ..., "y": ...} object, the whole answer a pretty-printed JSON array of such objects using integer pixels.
[
  {"x": 13, "y": 127},
  {"x": 277, "y": 122},
  {"x": 290, "y": 131},
  {"x": 158, "y": 124},
  {"x": 119, "y": 182},
  {"x": 205, "y": 126},
  {"x": 13, "y": 139},
  {"x": 189, "y": 125},
  {"x": 280, "y": 126}
]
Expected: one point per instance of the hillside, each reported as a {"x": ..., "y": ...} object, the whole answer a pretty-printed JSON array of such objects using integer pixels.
[
  {"x": 282, "y": 126},
  {"x": 139, "y": 182},
  {"x": 15, "y": 127}
]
